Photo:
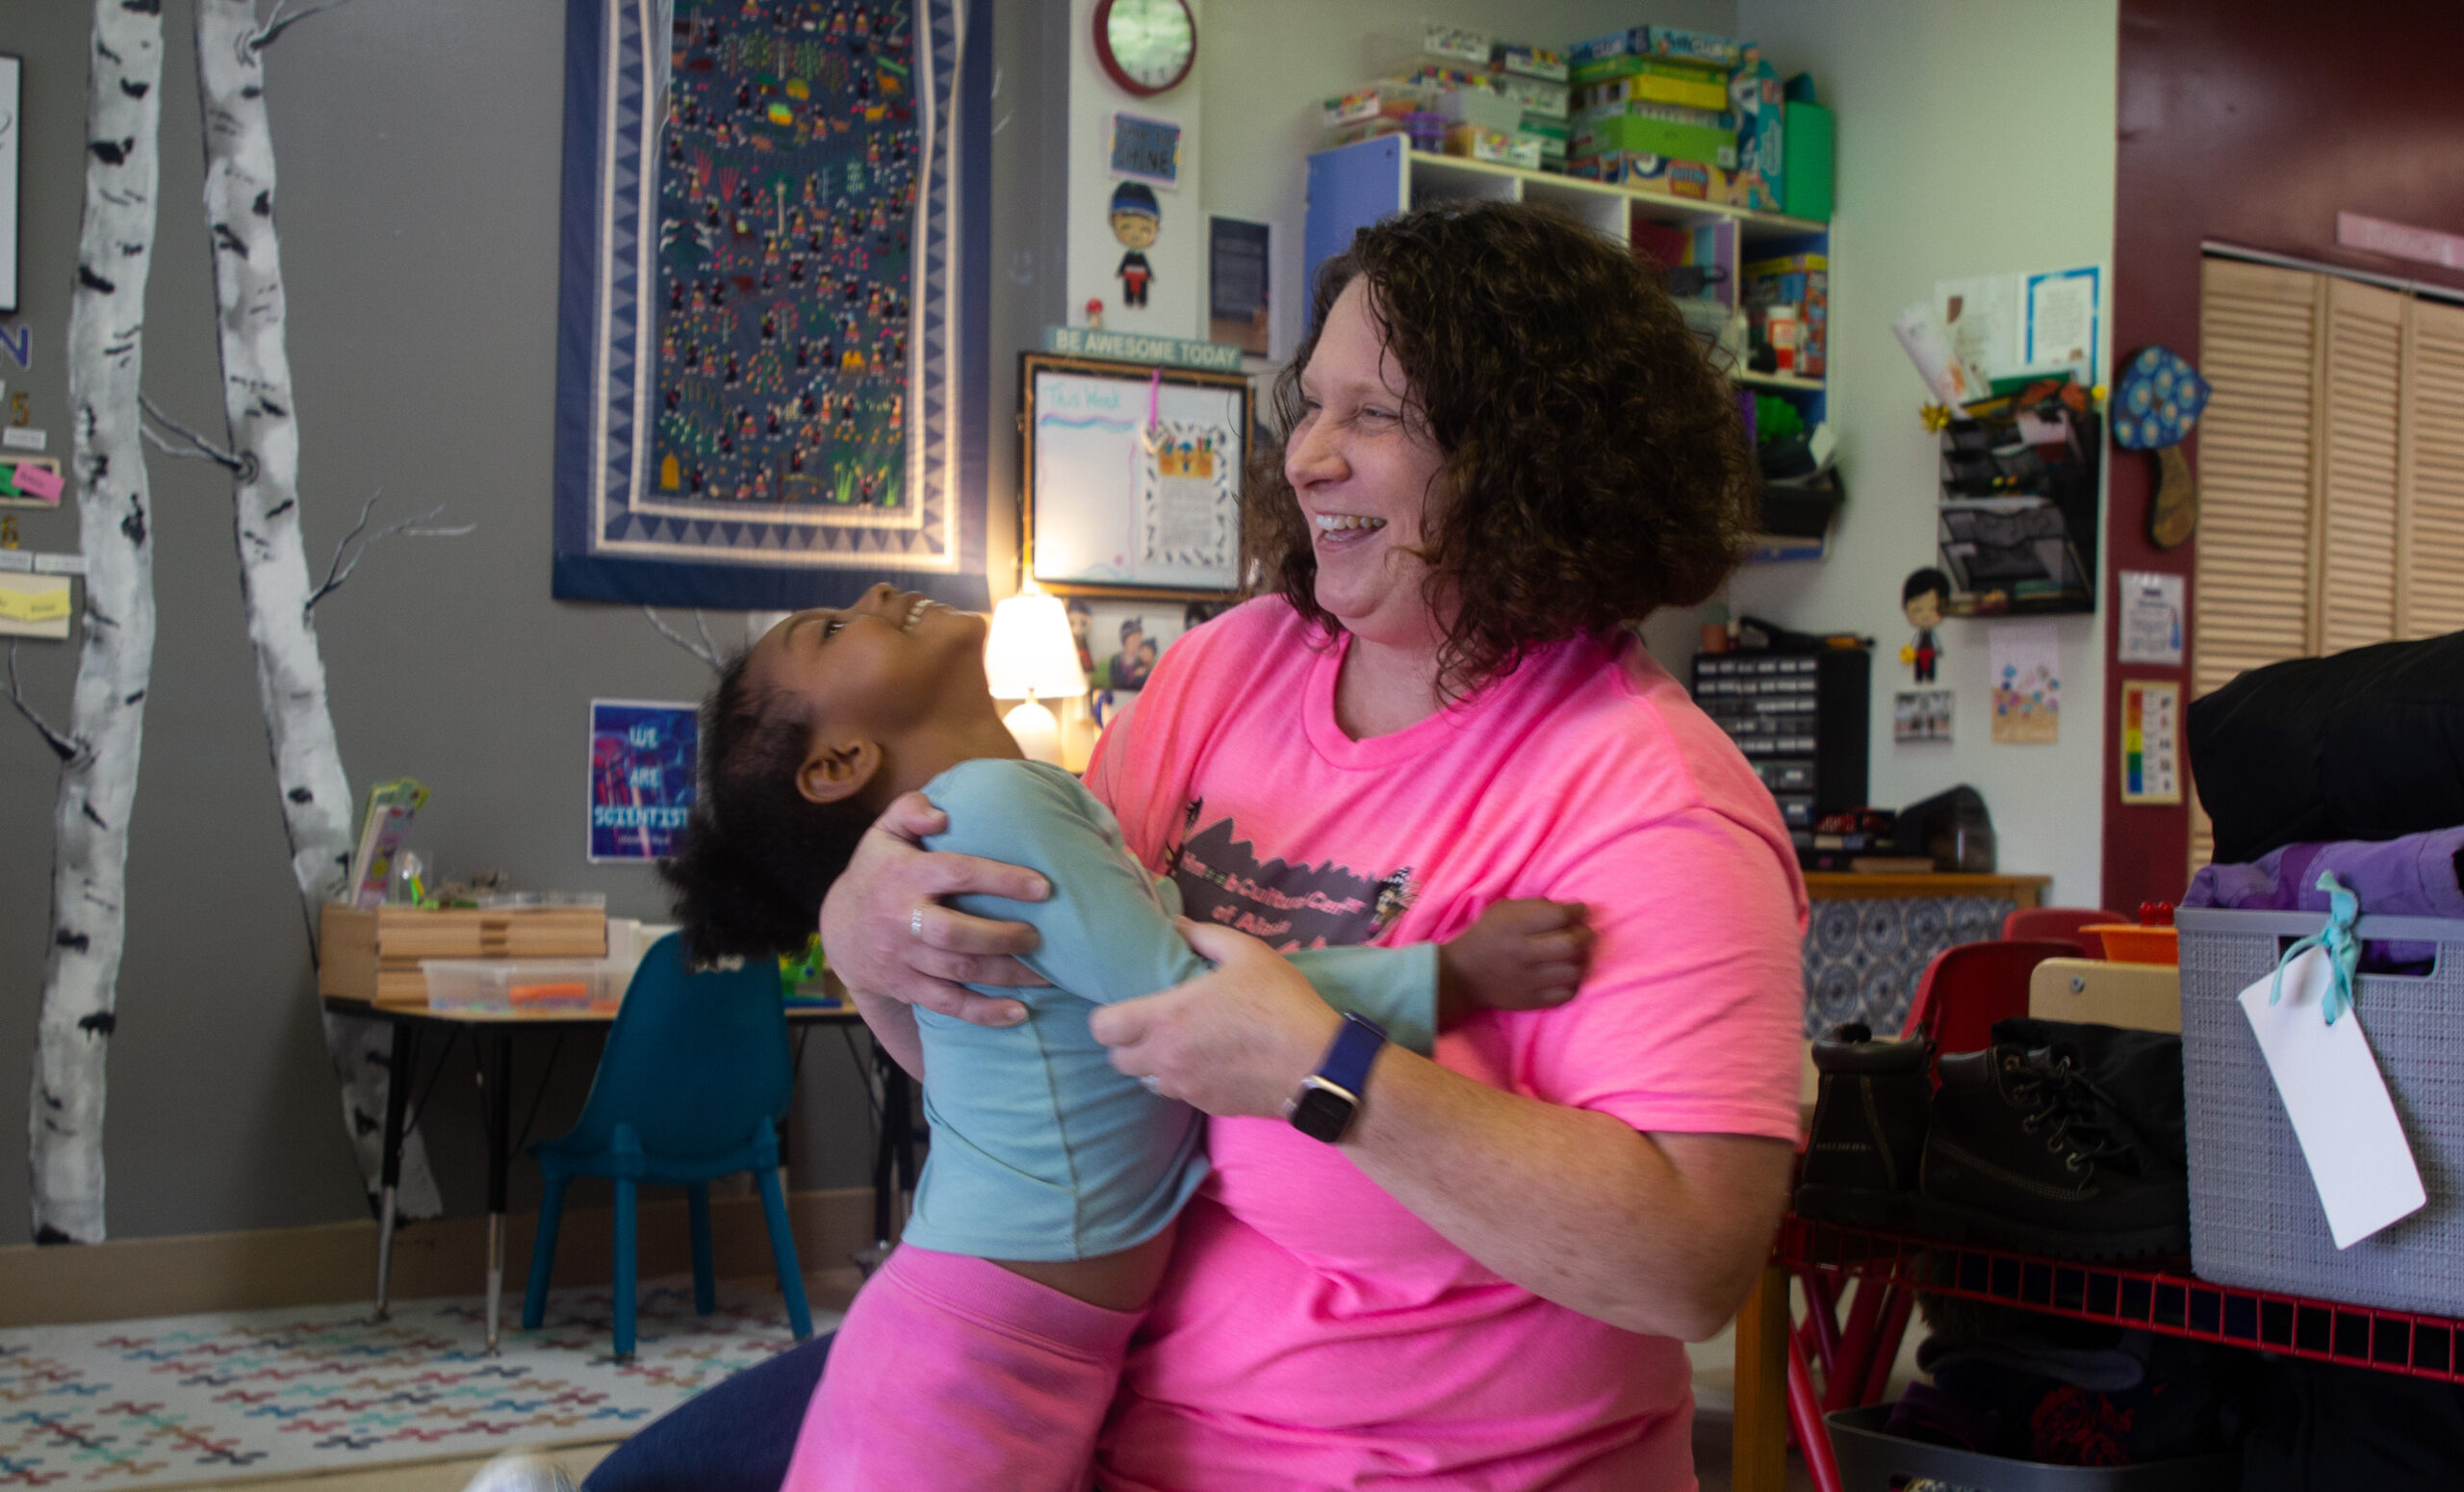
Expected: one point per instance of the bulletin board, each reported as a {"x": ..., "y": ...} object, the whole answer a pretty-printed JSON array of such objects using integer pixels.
[{"x": 1133, "y": 476}]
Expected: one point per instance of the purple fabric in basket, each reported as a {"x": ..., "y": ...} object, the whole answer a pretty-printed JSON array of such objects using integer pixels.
[{"x": 2420, "y": 875}]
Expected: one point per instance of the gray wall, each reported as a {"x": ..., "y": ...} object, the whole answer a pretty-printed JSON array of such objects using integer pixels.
[{"x": 419, "y": 144}]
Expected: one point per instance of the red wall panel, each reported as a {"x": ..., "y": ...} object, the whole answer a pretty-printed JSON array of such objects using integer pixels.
[{"x": 2254, "y": 122}]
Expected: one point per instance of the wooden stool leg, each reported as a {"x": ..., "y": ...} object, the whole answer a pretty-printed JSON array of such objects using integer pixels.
[{"x": 1759, "y": 1454}]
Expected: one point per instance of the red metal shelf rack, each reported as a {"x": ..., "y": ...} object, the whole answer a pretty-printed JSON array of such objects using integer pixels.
[{"x": 2167, "y": 1301}]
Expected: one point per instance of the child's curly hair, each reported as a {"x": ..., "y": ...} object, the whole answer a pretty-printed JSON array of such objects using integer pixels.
[
  {"x": 1595, "y": 466},
  {"x": 757, "y": 856}
]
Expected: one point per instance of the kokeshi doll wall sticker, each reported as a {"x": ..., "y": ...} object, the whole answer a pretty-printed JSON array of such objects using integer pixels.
[
  {"x": 1921, "y": 600},
  {"x": 1137, "y": 218},
  {"x": 2157, "y": 405}
]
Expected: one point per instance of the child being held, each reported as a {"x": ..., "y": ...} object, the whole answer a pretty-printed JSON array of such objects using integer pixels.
[{"x": 984, "y": 1351}]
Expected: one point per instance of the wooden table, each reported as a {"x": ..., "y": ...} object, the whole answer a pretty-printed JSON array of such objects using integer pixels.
[{"x": 492, "y": 1035}]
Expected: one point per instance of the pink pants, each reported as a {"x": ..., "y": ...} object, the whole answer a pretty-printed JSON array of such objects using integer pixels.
[{"x": 952, "y": 1373}]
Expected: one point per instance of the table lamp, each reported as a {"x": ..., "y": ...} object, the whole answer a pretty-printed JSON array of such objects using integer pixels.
[{"x": 1029, "y": 653}]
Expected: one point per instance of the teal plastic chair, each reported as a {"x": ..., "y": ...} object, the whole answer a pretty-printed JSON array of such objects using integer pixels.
[{"x": 690, "y": 1087}]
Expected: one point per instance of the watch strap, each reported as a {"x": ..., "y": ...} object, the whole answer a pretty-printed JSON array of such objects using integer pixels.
[{"x": 1349, "y": 1056}]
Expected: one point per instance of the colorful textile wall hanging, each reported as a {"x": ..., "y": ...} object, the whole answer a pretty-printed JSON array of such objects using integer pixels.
[{"x": 770, "y": 381}]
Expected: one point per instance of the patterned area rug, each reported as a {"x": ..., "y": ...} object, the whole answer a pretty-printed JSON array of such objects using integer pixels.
[{"x": 195, "y": 1399}]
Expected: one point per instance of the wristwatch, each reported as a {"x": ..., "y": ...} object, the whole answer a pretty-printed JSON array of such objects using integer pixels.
[{"x": 1330, "y": 1096}]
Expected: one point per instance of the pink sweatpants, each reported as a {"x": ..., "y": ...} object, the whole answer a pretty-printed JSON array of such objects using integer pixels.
[{"x": 952, "y": 1373}]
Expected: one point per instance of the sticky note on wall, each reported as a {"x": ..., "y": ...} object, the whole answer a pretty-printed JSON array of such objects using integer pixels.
[{"x": 35, "y": 605}]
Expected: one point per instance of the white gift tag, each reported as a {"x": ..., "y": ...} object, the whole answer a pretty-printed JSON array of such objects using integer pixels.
[{"x": 2337, "y": 1103}]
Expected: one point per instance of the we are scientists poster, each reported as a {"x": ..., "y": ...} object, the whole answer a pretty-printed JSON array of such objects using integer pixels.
[{"x": 642, "y": 760}]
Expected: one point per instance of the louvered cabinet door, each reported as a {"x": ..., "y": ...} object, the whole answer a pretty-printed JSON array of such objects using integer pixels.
[
  {"x": 2429, "y": 565},
  {"x": 2363, "y": 360},
  {"x": 2258, "y": 454}
]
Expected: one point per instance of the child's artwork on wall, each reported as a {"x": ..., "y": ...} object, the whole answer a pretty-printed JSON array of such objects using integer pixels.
[
  {"x": 2027, "y": 684},
  {"x": 642, "y": 757},
  {"x": 1134, "y": 475},
  {"x": 1918, "y": 715},
  {"x": 767, "y": 392}
]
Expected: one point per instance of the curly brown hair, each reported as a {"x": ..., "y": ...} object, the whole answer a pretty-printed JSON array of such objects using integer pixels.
[{"x": 1595, "y": 469}]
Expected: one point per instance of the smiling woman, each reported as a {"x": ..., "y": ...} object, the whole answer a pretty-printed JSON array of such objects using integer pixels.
[{"x": 1501, "y": 447}]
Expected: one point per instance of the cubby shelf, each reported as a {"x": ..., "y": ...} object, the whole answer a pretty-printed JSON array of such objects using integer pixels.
[{"x": 1786, "y": 382}]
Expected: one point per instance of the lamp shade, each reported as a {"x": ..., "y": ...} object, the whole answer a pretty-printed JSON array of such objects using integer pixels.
[{"x": 1030, "y": 651}]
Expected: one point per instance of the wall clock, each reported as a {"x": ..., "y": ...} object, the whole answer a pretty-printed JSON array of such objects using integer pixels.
[{"x": 1146, "y": 46}]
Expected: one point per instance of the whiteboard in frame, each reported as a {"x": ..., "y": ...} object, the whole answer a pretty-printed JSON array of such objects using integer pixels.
[{"x": 1133, "y": 476}]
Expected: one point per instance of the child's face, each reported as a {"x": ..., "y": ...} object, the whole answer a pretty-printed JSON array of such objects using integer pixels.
[
  {"x": 1924, "y": 608},
  {"x": 1137, "y": 230},
  {"x": 881, "y": 667}
]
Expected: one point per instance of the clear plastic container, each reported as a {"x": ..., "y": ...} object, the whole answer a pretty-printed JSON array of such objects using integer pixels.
[{"x": 526, "y": 986}]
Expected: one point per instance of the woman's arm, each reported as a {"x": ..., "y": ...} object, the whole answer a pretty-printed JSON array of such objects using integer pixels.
[
  {"x": 887, "y": 935},
  {"x": 1658, "y": 1233}
]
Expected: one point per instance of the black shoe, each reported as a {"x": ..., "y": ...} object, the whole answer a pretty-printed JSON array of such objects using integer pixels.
[
  {"x": 2020, "y": 1153},
  {"x": 1860, "y": 1164}
]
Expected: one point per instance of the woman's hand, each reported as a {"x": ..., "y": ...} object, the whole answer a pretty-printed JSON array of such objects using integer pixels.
[
  {"x": 886, "y": 934},
  {"x": 1236, "y": 1040}
]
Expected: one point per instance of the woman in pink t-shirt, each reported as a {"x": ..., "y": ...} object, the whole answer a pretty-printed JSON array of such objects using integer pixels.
[{"x": 1472, "y": 1270}]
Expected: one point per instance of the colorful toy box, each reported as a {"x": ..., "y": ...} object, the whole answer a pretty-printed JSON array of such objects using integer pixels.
[
  {"x": 1532, "y": 61},
  {"x": 1656, "y": 41},
  {"x": 1661, "y": 175},
  {"x": 1754, "y": 97},
  {"x": 1536, "y": 95},
  {"x": 1799, "y": 280},
  {"x": 1655, "y": 80},
  {"x": 1643, "y": 129},
  {"x": 1477, "y": 143}
]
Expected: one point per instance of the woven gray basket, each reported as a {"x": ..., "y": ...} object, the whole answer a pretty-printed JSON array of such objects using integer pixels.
[{"x": 2255, "y": 1219}]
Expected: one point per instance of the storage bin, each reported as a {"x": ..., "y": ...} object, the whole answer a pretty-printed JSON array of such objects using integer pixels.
[
  {"x": 526, "y": 986},
  {"x": 1871, "y": 1461},
  {"x": 374, "y": 953},
  {"x": 2255, "y": 1219}
]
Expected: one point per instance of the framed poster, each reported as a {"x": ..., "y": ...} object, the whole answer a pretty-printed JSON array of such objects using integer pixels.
[
  {"x": 643, "y": 755},
  {"x": 1133, "y": 476},
  {"x": 771, "y": 377}
]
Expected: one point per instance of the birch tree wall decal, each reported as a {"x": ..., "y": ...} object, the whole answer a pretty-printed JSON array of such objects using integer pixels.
[
  {"x": 263, "y": 458},
  {"x": 98, "y": 752}
]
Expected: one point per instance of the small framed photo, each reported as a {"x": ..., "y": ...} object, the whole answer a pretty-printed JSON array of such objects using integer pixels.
[{"x": 1920, "y": 716}]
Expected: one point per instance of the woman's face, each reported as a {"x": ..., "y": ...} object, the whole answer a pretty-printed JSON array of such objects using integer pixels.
[{"x": 1365, "y": 475}]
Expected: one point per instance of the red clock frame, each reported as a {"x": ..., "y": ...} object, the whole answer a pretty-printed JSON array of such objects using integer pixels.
[{"x": 1120, "y": 74}]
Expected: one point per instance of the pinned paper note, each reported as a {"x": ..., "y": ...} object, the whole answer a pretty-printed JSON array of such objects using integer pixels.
[
  {"x": 21, "y": 438},
  {"x": 2355, "y": 1144},
  {"x": 35, "y": 605},
  {"x": 38, "y": 481}
]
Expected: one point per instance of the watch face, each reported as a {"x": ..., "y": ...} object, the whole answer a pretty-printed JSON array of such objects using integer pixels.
[
  {"x": 1322, "y": 1114},
  {"x": 1151, "y": 39}
]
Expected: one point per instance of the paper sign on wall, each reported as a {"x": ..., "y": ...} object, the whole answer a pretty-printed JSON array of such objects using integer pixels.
[
  {"x": 642, "y": 760},
  {"x": 2151, "y": 618},
  {"x": 2151, "y": 742},
  {"x": 35, "y": 605},
  {"x": 2027, "y": 660},
  {"x": 2332, "y": 1091}
]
